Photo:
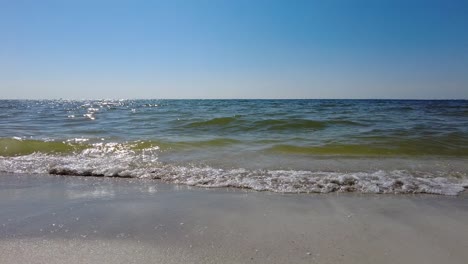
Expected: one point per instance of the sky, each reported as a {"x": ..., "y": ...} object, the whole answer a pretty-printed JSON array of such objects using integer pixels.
[{"x": 233, "y": 49}]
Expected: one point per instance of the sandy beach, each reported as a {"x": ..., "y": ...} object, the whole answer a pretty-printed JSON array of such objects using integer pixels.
[
  {"x": 233, "y": 132},
  {"x": 54, "y": 219}
]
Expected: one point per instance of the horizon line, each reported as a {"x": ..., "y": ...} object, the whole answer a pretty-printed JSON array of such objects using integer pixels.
[{"x": 116, "y": 99}]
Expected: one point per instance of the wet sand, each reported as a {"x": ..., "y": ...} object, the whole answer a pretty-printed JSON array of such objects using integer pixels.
[{"x": 54, "y": 219}]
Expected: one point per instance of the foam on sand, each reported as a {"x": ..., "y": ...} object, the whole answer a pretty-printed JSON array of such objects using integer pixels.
[{"x": 122, "y": 160}]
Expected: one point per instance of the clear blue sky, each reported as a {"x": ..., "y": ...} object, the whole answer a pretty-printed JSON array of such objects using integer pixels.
[{"x": 233, "y": 49}]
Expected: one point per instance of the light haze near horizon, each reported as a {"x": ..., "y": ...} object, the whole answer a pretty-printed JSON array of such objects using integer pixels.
[{"x": 233, "y": 49}]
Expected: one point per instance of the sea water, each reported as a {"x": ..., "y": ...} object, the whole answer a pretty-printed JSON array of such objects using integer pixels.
[{"x": 293, "y": 146}]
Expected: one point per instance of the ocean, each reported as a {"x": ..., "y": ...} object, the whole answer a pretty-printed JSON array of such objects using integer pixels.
[{"x": 286, "y": 146}]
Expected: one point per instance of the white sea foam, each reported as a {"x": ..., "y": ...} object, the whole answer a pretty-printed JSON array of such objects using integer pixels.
[{"x": 123, "y": 160}]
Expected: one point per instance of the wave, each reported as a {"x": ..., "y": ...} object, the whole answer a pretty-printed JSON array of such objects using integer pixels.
[
  {"x": 17, "y": 147},
  {"x": 330, "y": 150},
  {"x": 140, "y": 160},
  {"x": 398, "y": 148},
  {"x": 282, "y": 181},
  {"x": 287, "y": 181},
  {"x": 454, "y": 144},
  {"x": 290, "y": 124},
  {"x": 10, "y": 147},
  {"x": 219, "y": 121}
]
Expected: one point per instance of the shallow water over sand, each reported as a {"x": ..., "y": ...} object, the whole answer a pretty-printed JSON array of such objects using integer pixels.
[{"x": 52, "y": 219}]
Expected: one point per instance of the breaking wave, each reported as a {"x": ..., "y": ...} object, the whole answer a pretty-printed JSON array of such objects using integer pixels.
[
  {"x": 380, "y": 147},
  {"x": 141, "y": 161}
]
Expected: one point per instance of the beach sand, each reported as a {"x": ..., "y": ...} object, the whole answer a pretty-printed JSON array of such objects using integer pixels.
[{"x": 55, "y": 219}]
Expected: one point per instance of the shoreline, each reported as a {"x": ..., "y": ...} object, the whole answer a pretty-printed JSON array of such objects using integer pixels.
[{"x": 53, "y": 219}]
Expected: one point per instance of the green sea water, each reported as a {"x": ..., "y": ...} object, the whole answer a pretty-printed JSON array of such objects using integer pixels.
[{"x": 276, "y": 145}]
